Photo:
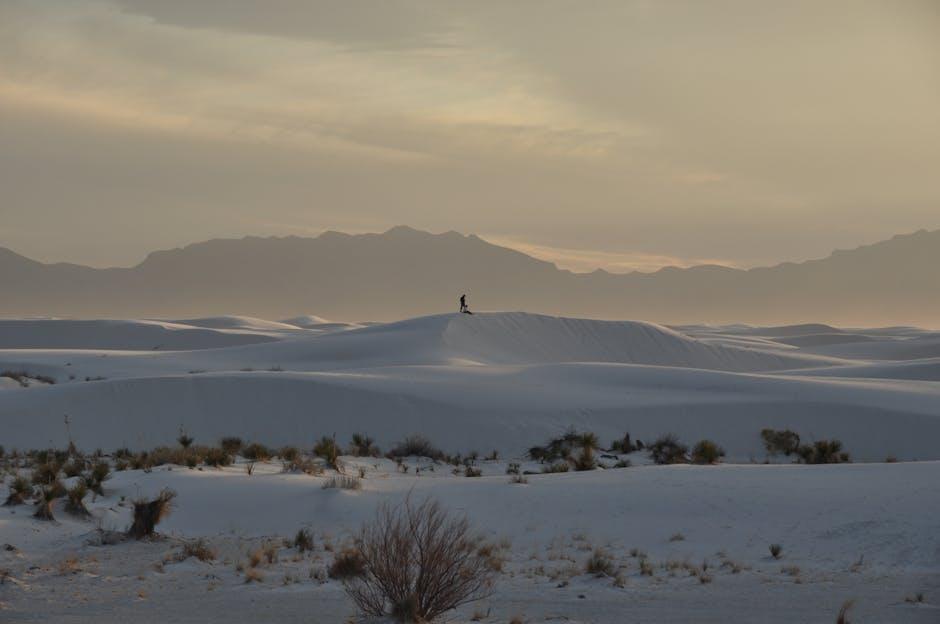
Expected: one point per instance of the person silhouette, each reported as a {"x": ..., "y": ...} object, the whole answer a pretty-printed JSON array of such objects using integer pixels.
[{"x": 463, "y": 303}]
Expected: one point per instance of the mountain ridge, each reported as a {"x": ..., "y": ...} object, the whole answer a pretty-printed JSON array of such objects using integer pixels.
[{"x": 405, "y": 272}]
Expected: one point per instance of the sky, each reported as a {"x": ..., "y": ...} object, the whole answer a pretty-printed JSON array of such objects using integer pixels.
[{"x": 620, "y": 134}]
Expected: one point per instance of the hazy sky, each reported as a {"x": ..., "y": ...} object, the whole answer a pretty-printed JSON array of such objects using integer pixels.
[{"x": 619, "y": 134}]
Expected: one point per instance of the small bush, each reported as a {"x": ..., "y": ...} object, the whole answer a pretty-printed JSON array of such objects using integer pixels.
[
  {"x": 289, "y": 453},
  {"x": 20, "y": 490},
  {"x": 342, "y": 482},
  {"x": 73, "y": 468},
  {"x": 470, "y": 471},
  {"x": 47, "y": 497},
  {"x": 231, "y": 445},
  {"x": 564, "y": 446},
  {"x": 256, "y": 452},
  {"x": 75, "y": 504},
  {"x": 776, "y": 550},
  {"x": 623, "y": 445},
  {"x": 46, "y": 472},
  {"x": 328, "y": 450},
  {"x": 217, "y": 458},
  {"x": 585, "y": 460},
  {"x": 418, "y": 563},
  {"x": 363, "y": 446},
  {"x": 784, "y": 442},
  {"x": 600, "y": 564},
  {"x": 416, "y": 445},
  {"x": 148, "y": 514},
  {"x": 707, "y": 452},
  {"x": 347, "y": 564},
  {"x": 184, "y": 440},
  {"x": 823, "y": 452},
  {"x": 199, "y": 549},
  {"x": 668, "y": 449},
  {"x": 303, "y": 541},
  {"x": 99, "y": 473}
]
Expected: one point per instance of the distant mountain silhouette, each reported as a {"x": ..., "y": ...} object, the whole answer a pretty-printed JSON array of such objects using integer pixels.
[{"x": 405, "y": 272}]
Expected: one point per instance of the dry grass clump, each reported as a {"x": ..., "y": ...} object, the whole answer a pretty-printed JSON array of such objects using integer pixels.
[
  {"x": 347, "y": 564},
  {"x": 99, "y": 473},
  {"x": 47, "y": 496},
  {"x": 199, "y": 549},
  {"x": 363, "y": 446},
  {"x": 843, "y": 617},
  {"x": 253, "y": 575},
  {"x": 342, "y": 482},
  {"x": 20, "y": 490},
  {"x": 303, "y": 541},
  {"x": 416, "y": 446},
  {"x": 667, "y": 449},
  {"x": 600, "y": 564},
  {"x": 75, "y": 504},
  {"x": 328, "y": 451},
  {"x": 776, "y": 550},
  {"x": 419, "y": 562},
  {"x": 148, "y": 514},
  {"x": 706, "y": 452}
]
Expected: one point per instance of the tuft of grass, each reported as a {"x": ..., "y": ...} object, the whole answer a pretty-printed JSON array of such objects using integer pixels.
[
  {"x": 347, "y": 564},
  {"x": 148, "y": 514},
  {"x": 199, "y": 549},
  {"x": 20, "y": 490},
  {"x": 363, "y": 446},
  {"x": 47, "y": 497},
  {"x": 676, "y": 537},
  {"x": 303, "y": 541},
  {"x": 342, "y": 482},
  {"x": 600, "y": 564},
  {"x": 518, "y": 479},
  {"x": 416, "y": 445},
  {"x": 776, "y": 550},
  {"x": 328, "y": 450},
  {"x": 75, "y": 504},
  {"x": 843, "y": 617},
  {"x": 253, "y": 575}
]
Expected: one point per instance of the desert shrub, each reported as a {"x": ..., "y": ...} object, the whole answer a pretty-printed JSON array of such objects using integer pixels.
[
  {"x": 776, "y": 550},
  {"x": 328, "y": 450},
  {"x": 123, "y": 453},
  {"x": 784, "y": 441},
  {"x": 120, "y": 465},
  {"x": 200, "y": 549},
  {"x": 20, "y": 490},
  {"x": 418, "y": 563},
  {"x": 416, "y": 445},
  {"x": 289, "y": 453},
  {"x": 99, "y": 473},
  {"x": 342, "y": 482},
  {"x": 823, "y": 452},
  {"x": 184, "y": 440},
  {"x": 347, "y": 564},
  {"x": 623, "y": 445},
  {"x": 667, "y": 449},
  {"x": 231, "y": 445},
  {"x": 303, "y": 541},
  {"x": 363, "y": 446},
  {"x": 556, "y": 467},
  {"x": 148, "y": 514},
  {"x": 302, "y": 464},
  {"x": 74, "y": 467},
  {"x": 46, "y": 472},
  {"x": 600, "y": 564},
  {"x": 562, "y": 447},
  {"x": 256, "y": 452},
  {"x": 217, "y": 457},
  {"x": 141, "y": 461},
  {"x": 707, "y": 452},
  {"x": 585, "y": 459},
  {"x": 470, "y": 471},
  {"x": 75, "y": 504},
  {"x": 47, "y": 496}
]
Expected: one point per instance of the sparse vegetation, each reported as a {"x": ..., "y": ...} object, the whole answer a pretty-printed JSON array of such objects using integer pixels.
[
  {"x": 347, "y": 564},
  {"x": 20, "y": 490},
  {"x": 600, "y": 564},
  {"x": 47, "y": 496},
  {"x": 328, "y": 450},
  {"x": 667, "y": 449},
  {"x": 75, "y": 504},
  {"x": 149, "y": 513},
  {"x": 231, "y": 445},
  {"x": 256, "y": 452},
  {"x": 843, "y": 617},
  {"x": 303, "y": 541},
  {"x": 199, "y": 549},
  {"x": 342, "y": 482},
  {"x": 776, "y": 550},
  {"x": 363, "y": 446},
  {"x": 784, "y": 442},
  {"x": 556, "y": 467},
  {"x": 707, "y": 452},
  {"x": 823, "y": 452},
  {"x": 416, "y": 446},
  {"x": 418, "y": 563}
]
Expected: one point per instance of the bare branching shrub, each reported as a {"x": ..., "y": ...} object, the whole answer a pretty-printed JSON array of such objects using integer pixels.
[
  {"x": 784, "y": 441},
  {"x": 667, "y": 449},
  {"x": 420, "y": 562},
  {"x": 342, "y": 482},
  {"x": 416, "y": 445},
  {"x": 363, "y": 446},
  {"x": 20, "y": 490},
  {"x": 148, "y": 514},
  {"x": 600, "y": 564}
]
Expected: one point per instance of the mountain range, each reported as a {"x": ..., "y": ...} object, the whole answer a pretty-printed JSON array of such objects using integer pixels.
[{"x": 406, "y": 272}]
